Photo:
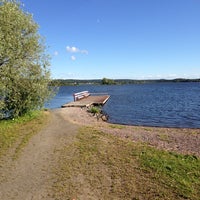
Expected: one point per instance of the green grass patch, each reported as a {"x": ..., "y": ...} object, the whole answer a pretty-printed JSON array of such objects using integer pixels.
[
  {"x": 95, "y": 109},
  {"x": 15, "y": 133},
  {"x": 164, "y": 137},
  {"x": 181, "y": 173},
  {"x": 117, "y": 126},
  {"x": 102, "y": 166}
]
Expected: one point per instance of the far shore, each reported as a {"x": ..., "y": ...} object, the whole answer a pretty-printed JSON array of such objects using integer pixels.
[{"x": 180, "y": 140}]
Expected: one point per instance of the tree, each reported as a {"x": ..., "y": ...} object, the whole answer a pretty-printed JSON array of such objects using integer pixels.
[
  {"x": 24, "y": 72},
  {"x": 106, "y": 81}
]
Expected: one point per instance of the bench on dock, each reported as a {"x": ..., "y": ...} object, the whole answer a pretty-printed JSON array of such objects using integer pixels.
[{"x": 81, "y": 95}]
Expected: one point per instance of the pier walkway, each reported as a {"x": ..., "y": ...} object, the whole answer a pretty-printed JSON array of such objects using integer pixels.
[{"x": 85, "y": 99}]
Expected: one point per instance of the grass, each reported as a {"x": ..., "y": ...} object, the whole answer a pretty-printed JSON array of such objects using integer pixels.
[
  {"x": 164, "y": 137},
  {"x": 15, "y": 133},
  {"x": 95, "y": 109},
  {"x": 102, "y": 166},
  {"x": 180, "y": 173},
  {"x": 117, "y": 126}
]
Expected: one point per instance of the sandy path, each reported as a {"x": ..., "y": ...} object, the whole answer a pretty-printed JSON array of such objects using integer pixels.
[{"x": 31, "y": 176}]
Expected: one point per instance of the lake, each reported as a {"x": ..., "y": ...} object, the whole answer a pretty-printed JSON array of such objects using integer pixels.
[{"x": 159, "y": 104}]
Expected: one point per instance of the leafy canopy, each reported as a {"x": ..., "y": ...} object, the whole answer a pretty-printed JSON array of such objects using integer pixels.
[{"x": 24, "y": 73}]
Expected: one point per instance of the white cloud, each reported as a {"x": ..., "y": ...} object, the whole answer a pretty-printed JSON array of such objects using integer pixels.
[
  {"x": 72, "y": 49},
  {"x": 75, "y": 50},
  {"x": 73, "y": 58},
  {"x": 55, "y": 53}
]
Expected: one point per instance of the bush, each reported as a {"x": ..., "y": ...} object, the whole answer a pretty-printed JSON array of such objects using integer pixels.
[
  {"x": 24, "y": 73},
  {"x": 95, "y": 110}
]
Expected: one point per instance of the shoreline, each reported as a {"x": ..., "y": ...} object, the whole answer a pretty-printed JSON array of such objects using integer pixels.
[
  {"x": 179, "y": 140},
  {"x": 148, "y": 126},
  {"x": 93, "y": 120}
]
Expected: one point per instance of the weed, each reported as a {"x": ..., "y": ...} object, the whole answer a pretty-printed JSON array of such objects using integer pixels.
[{"x": 95, "y": 110}]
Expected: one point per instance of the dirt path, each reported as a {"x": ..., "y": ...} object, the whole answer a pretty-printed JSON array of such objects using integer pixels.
[{"x": 30, "y": 178}]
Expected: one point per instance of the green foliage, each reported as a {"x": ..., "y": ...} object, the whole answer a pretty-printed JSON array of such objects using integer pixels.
[
  {"x": 106, "y": 81},
  {"x": 75, "y": 82},
  {"x": 95, "y": 110},
  {"x": 24, "y": 73}
]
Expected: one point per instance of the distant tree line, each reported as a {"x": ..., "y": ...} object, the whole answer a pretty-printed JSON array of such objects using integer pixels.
[
  {"x": 74, "y": 82},
  {"x": 107, "y": 81}
]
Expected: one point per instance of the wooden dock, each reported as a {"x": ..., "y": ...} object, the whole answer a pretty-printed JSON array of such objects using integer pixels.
[{"x": 88, "y": 100}]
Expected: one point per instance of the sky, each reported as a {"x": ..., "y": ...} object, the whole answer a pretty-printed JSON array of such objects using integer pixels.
[{"x": 120, "y": 39}]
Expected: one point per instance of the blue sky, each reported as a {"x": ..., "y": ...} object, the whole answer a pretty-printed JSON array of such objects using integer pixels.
[{"x": 135, "y": 39}]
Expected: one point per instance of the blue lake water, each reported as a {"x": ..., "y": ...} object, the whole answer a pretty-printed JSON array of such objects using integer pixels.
[{"x": 160, "y": 104}]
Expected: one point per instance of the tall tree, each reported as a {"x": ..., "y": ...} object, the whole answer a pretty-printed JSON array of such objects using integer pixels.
[{"x": 24, "y": 72}]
